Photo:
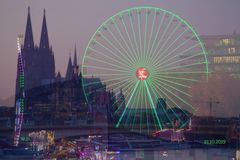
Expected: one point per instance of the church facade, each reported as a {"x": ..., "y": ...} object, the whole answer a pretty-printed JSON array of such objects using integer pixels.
[{"x": 38, "y": 60}]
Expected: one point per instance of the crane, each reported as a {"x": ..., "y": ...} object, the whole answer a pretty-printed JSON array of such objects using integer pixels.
[{"x": 210, "y": 102}]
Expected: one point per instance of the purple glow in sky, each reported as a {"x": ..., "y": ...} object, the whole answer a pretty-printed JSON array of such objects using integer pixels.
[{"x": 75, "y": 21}]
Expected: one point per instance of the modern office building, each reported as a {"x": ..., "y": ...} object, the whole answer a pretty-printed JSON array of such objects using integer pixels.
[{"x": 223, "y": 53}]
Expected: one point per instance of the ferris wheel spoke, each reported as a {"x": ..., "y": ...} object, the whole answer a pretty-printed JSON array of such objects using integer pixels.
[
  {"x": 107, "y": 80},
  {"x": 152, "y": 105},
  {"x": 163, "y": 91},
  {"x": 160, "y": 25},
  {"x": 108, "y": 57},
  {"x": 159, "y": 60},
  {"x": 124, "y": 41},
  {"x": 183, "y": 66},
  {"x": 119, "y": 85},
  {"x": 129, "y": 52},
  {"x": 140, "y": 103},
  {"x": 169, "y": 46},
  {"x": 176, "y": 96},
  {"x": 133, "y": 105},
  {"x": 163, "y": 35},
  {"x": 119, "y": 59},
  {"x": 146, "y": 102},
  {"x": 150, "y": 37},
  {"x": 103, "y": 75},
  {"x": 104, "y": 68},
  {"x": 159, "y": 52},
  {"x": 111, "y": 85},
  {"x": 143, "y": 103},
  {"x": 141, "y": 112},
  {"x": 129, "y": 100},
  {"x": 174, "y": 88},
  {"x": 172, "y": 82},
  {"x": 166, "y": 92},
  {"x": 105, "y": 62},
  {"x": 127, "y": 87},
  {"x": 139, "y": 34},
  {"x": 128, "y": 35},
  {"x": 127, "y": 59},
  {"x": 186, "y": 72},
  {"x": 170, "y": 36},
  {"x": 110, "y": 51},
  {"x": 118, "y": 42},
  {"x": 163, "y": 61},
  {"x": 145, "y": 35},
  {"x": 154, "y": 90},
  {"x": 136, "y": 108},
  {"x": 134, "y": 35},
  {"x": 128, "y": 105},
  {"x": 178, "y": 78},
  {"x": 181, "y": 60}
]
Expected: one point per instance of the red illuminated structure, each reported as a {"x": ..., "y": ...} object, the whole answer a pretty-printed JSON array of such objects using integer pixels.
[{"x": 142, "y": 73}]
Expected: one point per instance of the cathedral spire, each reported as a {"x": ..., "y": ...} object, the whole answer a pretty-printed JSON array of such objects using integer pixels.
[
  {"x": 75, "y": 57},
  {"x": 28, "y": 40},
  {"x": 44, "y": 33},
  {"x": 69, "y": 73}
]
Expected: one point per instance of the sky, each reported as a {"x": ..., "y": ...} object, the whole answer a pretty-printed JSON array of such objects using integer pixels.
[{"x": 73, "y": 22}]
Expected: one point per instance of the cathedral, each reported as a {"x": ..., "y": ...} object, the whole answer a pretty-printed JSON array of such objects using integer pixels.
[
  {"x": 39, "y": 68},
  {"x": 38, "y": 60},
  {"x": 39, "y": 64},
  {"x": 50, "y": 97}
]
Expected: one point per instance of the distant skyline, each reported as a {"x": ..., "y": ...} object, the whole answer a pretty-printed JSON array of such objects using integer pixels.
[{"x": 73, "y": 22}]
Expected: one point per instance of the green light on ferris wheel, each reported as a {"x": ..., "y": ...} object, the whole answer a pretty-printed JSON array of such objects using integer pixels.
[{"x": 148, "y": 53}]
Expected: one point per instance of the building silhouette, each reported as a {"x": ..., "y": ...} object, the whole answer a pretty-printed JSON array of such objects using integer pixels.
[
  {"x": 72, "y": 67},
  {"x": 39, "y": 64}
]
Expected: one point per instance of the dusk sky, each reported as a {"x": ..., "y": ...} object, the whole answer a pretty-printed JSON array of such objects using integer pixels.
[{"x": 73, "y": 22}]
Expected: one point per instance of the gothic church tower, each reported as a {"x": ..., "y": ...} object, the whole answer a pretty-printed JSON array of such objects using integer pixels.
[{"x": 38, "y": 62}]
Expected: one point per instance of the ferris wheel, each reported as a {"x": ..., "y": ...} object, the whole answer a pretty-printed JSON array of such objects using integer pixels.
[{"x": 147, "y": 54}]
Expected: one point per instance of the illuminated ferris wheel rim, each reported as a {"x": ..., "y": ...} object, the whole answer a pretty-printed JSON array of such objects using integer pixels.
[
  {"x": 156, "y": 9},
  {"x": 140, "y": 76}
]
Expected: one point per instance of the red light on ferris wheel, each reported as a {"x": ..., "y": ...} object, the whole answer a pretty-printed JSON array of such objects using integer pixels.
[{"x": 142, "y": 73}]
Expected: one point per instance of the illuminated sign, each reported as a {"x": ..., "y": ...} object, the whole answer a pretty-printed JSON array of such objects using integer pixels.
[{"x": 226, "y": 59}]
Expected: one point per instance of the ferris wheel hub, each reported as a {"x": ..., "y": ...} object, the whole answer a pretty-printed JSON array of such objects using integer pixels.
[{"x": 142, "y": 73}]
